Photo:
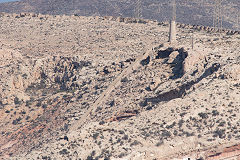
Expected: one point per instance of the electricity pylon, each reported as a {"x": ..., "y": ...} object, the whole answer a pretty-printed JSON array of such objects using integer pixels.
[
  {"x": 238, "y": 23},
  {"x": 172, "y": 28},
  {"x": 174, "y": 10},
  {"x": 217, "y": 15},
  {"x": 138, "y": 9}
]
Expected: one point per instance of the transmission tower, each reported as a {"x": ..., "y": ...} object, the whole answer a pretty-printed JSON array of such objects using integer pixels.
[
  {"x": 138, "y": 9},
  {"x": 172, "y": 28},
  {"x": 174, "y": 10},
  {"x": 217, "y": 16},
  {"x": 238, "y": 21}
]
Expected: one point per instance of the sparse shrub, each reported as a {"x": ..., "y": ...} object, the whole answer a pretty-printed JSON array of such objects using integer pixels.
[
  {"x": 220, "y": 133},
  {"x": 105, "y": 153},
  {"x": 125, "y": 137},
  {"x": 175, "y": 132},
  {"x": 16, "y": 121},
  {"x": 101, "y": 122},
  {"x": 23, "y": 112},
  {"x": 180, "y": 123},
  {"x": 171, "y": 126},
  {"x": 221, "y": 124},
  {"x": 122, "y": 155},
  {"x": 95, "y": 135},
  {"x": 189, "y": 134},
  {"x": 166, "y": 134},
  {"x": 28, "y": 117},
  {"x": 159, "y": 143},
  {"x": 118, "y": 140},
  {"x": 64, "y": 151},
  {"x": 44, "y": 106},
  {"x": 24, "y": 76},
  {"x": 182, "y": 114},
  {"x": 203, "y": 115},
  {"x": 90, "y": 158},
  {"x": 16, "y": 100},
  {"x": 125, "y": 79},
  {"x": 135, "y": 143},
  {"x": 29, "y": 102},
  {"x": 149, "y": 108},
  {"x": 215, "y": 113},
  {"x": 98, "y": 109},
  {"x": 93, "y": 153},
  {"x": 112, "y": 103},
  {"x": 46, "y": 157}
]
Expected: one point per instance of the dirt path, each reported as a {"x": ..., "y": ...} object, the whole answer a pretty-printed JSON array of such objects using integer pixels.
[{"x": 102, "y": 98}]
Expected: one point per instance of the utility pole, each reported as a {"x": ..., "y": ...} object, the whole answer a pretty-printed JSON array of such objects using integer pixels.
[
  {"x": 217, "y": 15},
  {"x": 159, "y": 8},
  {"x": 138, "y": 9},
  {"x": 192, "y": 40},
  {"x": 172, "y": 29}
]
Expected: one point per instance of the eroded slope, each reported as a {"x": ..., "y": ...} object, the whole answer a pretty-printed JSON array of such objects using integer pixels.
[{"x": 57, "y": 68}]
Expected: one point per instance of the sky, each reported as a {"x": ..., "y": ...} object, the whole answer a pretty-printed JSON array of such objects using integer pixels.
[{"x": 1, "y": 1}]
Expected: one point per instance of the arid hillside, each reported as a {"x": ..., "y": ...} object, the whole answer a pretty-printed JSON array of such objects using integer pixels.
[
  {"x": 188, "y": 12},
  {"x": 75, "y": 87}
]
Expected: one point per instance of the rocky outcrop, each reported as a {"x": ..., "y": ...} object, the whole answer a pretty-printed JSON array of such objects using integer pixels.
[
  {"x": 194, "y": 58},
  {"x": 228, "y": 153}
]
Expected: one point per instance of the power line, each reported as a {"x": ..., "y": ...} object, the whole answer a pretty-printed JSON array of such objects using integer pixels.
[
  {"x": 238, "y": 25},
  {"x": 174, "y": 10},
  {"x": 172, "y": 27},
  {"x": 116, "y": 8},
  {"x": 217, "y": 15},
  {"x": 138, "y": 9}
]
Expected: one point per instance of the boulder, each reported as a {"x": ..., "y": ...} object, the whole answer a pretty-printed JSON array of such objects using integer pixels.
[
  {"x": 193, "y": 58},
  {"x": 173, "y": 56}
]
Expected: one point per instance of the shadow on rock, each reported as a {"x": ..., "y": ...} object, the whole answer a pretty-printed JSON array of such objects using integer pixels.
[{"x": 181, "y": 90}]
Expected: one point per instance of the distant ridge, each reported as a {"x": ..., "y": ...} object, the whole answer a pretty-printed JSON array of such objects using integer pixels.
[{"x": 188, "y": 12}]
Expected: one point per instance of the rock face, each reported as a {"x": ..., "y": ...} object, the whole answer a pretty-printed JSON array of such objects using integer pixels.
[
  {"x": 193, "y": 59},
  {"x": 87, "y": 87}
]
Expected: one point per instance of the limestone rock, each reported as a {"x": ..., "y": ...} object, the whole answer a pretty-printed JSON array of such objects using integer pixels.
[
  {"x": 194, "y": 57},
  {"x": 173, "y": 56}
]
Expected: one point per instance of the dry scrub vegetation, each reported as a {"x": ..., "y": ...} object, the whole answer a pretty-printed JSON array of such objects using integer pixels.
[{"x": 162, "y": 100}]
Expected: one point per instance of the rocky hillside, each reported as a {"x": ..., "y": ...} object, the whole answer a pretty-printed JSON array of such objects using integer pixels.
[
  {"x": 93, "y": 88},
  {"x": 188, "y": 12}
]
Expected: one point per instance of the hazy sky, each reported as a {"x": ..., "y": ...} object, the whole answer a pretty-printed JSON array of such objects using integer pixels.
[{"x": 6, "y": 0}]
